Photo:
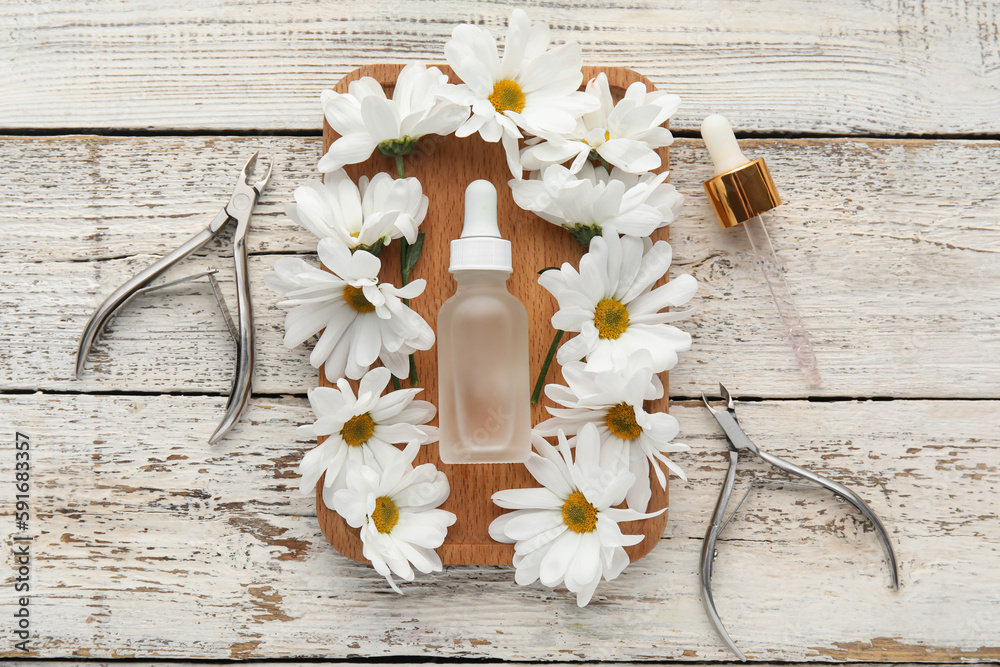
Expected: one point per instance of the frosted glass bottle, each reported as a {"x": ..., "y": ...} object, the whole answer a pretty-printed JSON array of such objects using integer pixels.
[{"x": 482, "y": 338}]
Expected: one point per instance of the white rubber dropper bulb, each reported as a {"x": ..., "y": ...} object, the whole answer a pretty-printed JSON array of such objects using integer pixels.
[
  {"x": 480, "y": 210},
  {"x": 721, "y": 144}
]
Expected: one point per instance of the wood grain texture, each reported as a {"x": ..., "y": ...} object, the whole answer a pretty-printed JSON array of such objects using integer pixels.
[
  {"x": 151, "y": 545},
  {"x": 445, "y": 166},
  {"x": 778, "y": 65},
  {"x": 892, "y": 249},
  {"x": 403, "y": 663}
]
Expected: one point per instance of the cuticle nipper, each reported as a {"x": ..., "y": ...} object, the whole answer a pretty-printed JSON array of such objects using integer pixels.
[
  {"x": 239, "y": 209},
  {"x": 738, "y": 442}
]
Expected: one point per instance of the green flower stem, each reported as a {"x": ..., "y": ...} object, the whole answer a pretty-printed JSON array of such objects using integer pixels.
[
  {"x": 537, "y": 393},
  {"x": 395, "y": 383},
  {"x": 404, "y": 270},
  {"x": 404, "y": 250},
  {"x": 596, "y": 157},
  {"x": 414, "y": 378}
]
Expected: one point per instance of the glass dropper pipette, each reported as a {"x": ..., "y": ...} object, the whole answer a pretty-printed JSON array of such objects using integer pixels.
[{"x": 742, "y": 192}]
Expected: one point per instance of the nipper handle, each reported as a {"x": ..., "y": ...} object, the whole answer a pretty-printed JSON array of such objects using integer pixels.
[
  {"x": 242, "y": 376},
  {"x": 128, "y": 291},
  {"x": 854, "y": 499},
  {"x": 708, "y": 556}
]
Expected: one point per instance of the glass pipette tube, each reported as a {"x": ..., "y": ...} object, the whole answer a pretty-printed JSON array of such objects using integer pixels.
[{"x": 775, "y": 277}]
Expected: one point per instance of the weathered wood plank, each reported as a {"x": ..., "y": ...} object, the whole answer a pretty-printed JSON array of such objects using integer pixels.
[
  {"x": 794, "y": 65},
  {"x": 458, "y": 663},
  {"x": 174, "y": 340},
  {"x": 892, "y": 247},
  {"x": 149, "y": 544},
  {"x": 79, "y": 198}
]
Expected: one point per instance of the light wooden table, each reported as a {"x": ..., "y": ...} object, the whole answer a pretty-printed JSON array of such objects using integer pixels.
[{"x": 124, "y": 122}]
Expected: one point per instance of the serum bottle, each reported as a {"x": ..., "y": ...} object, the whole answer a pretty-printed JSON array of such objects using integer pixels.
[{"x": 482, "y": 330}]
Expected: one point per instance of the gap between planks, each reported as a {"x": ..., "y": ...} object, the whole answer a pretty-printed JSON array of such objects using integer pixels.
[{"x": 742, "y": 134}]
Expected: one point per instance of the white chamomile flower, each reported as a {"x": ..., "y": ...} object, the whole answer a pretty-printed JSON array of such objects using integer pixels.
[
  {"x": 364, "y": 216},
  {"x": 587, "y": 203},
  {"x": 397, "y": 514},
  {"x": 366, "y": 119},
  {"x": 624, "y": 135},
  {"x": 567, "y": 532},
  {"x": 612, "y": 305},
  {"x": 360, "y": 428},
  {"x": 532, "y": 87},
  {"x": 631, "y": 438},
  {"x": 362, "y": 319}
]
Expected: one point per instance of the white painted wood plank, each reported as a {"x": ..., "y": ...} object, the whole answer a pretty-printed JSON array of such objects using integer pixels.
[
  {"x": 785, "y": 65},
  {"x": 77, "y": 198},
  {"x": 459, "y": 663},
  {"x": 892, "y": 248},
  {"x": 74, "y": 198},
  {"x": 150, "y": 544},
  {"x": 174, "y": 340}
]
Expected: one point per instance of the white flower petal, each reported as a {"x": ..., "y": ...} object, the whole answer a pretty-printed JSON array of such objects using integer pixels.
[
  {"x": 311, "y": 468},
  {"x": 552, "y": 569},
  {"x": 639, "y": 493},
  {"x": 518, "y": 29},
  {"x": 527, "y": 566},
  {"x": 612, "y": 536},
  {"x": 549, "y": 475},
  {"x": 528, "y": 525},
  {"x": 631, "y": 155},
  {"x": 472, "y": 54},
  {"x": 338, "y": 325},
  {"x": 586, "y": 566},
  {"x": 381, "y": 118},
  {"x": 349, "y": 149},
  {"x": 351, "y": 506},
  {"x": 498, "y": 527},
  {"x": 326, "y": 400},
  {"x": 586, "y": 593},
  {"x": 336, "y": 362},
  {"x": 515, "y": 499},
  {"x": 619, "y": 561},
  {"x": 303, "y": 322}
]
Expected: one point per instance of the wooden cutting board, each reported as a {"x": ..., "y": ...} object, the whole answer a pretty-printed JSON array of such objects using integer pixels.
[{"x": 445, "y": 166}]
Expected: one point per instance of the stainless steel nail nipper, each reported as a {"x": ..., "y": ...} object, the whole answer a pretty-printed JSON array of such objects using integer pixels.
[
  {"x": 238, "y": 209},
  {"x": 738, "y": 442}
]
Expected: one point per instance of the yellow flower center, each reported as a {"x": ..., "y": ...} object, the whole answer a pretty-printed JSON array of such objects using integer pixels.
[
  {"x": 579, "y": 515},
  {"x": 507, "y": 96},
  {"x": 610, "y": 318},
  {"x": 607, "y": 137},
  {"x": 355, "y": 298},
  {"x": 621, "y": 422},
  {"x": 358, "y": 429},
  {"x": 386, "y": 514}
]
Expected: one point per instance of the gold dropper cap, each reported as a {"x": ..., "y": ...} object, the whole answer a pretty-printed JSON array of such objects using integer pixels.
[{"x": 741, "y": 189}]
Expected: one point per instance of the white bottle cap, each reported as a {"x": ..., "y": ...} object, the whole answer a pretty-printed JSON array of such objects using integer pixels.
[
  {"x": 480, "y": 248},
  {"x": 721, "y": 144}
]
